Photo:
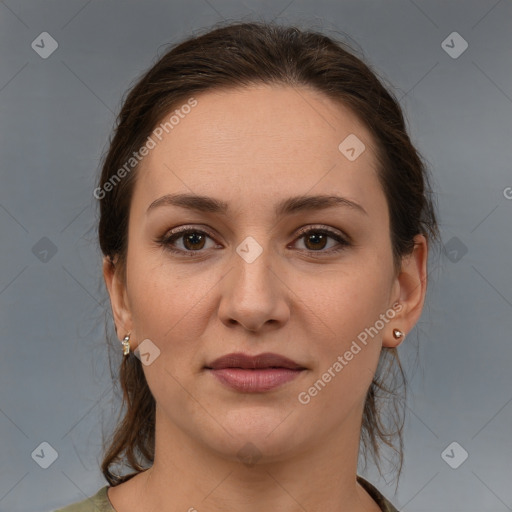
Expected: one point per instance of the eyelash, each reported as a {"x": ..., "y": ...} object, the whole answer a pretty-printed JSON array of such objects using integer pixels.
[{"x": 166, "y": 240}]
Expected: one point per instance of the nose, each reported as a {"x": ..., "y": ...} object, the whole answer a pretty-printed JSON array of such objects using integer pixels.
[{"x": 254, "y": 294}]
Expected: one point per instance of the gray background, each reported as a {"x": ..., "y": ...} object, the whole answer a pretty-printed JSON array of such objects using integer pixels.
[{"x": 56, "y": 116}]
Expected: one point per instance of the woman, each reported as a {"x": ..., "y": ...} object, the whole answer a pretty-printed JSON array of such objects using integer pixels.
[{"x": 265, "y": 224}]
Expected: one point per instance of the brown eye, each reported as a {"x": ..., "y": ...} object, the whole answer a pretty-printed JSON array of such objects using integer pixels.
[
  {"x": 316, "y": 240},
  {"x": 193, "y": 240}
]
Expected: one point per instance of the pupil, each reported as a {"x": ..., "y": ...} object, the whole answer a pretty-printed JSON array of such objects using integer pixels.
[
  {"x": 192, "y": 238},
  {"x": 318, "y": 237}
]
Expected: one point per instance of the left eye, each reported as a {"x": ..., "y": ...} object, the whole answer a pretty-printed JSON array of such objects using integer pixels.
[
  {"x": 317, "y": 237},
  {"x": 193, "y": 240}
]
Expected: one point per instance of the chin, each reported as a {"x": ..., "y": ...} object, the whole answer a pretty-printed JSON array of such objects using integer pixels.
[{"x": 257, "y": 437}]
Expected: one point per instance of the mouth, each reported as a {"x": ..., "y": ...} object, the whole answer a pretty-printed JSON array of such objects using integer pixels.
[{"x": 254, "y": 374}]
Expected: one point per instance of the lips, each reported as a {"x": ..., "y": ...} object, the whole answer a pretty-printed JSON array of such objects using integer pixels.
[
  {"x": 254, "y": 374},
  {"x": 261, "y": 361}
]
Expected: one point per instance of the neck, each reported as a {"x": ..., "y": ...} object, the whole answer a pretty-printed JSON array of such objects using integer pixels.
[{"x": 192, "y": 477}]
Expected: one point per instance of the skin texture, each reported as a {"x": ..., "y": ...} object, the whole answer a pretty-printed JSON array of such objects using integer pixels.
[{"x": 253, "y": 147}]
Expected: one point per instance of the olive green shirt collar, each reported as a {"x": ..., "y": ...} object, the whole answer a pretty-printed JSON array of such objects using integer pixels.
[{"x": 100, "y": 502}]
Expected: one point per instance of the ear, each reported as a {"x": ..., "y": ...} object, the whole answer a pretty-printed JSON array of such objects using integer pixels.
[
  {"x": 118, "y": 298},
  {"x": 411, "y": 288}
]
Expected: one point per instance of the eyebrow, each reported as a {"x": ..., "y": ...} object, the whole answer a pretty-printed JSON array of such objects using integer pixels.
[{"x": 285, "y": 207}]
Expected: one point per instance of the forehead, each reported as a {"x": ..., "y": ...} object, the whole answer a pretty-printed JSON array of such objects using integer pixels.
[{"x": 260, "y": 142}]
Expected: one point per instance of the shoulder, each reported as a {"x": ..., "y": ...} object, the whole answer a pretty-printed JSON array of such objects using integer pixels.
[
  {"x": 384, "y": 504},
  {"x": 97, "y": 503}
]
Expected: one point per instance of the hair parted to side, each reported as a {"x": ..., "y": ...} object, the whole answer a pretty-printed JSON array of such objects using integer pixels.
[{"x": 244, "y": 54}]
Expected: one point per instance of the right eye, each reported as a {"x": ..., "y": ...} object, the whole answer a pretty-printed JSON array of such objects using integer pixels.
[{"x": 193, "y": 240}]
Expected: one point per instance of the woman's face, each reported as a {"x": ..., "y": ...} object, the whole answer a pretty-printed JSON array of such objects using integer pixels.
[{"x": 250, "y": 279}]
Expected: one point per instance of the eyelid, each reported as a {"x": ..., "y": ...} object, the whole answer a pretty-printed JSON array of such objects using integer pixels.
[
  {"x": 341, "y": 238},
  {"x": 321, "y": 227},
  {"x": 186, "y": 229},
  {"x": 302, "y": 230}
]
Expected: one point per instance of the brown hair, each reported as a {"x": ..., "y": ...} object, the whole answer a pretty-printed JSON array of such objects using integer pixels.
[{"x": 239, "y": 55}]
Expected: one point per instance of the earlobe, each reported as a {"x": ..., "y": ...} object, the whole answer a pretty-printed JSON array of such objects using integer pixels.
[
  {"x": 412, "y": 286},
  {"x": 117, "y": 292}
]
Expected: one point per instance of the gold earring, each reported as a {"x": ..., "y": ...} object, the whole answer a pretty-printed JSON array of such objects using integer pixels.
[
  {"x": 397, "y": 333},
  {"x": 126, "y": 345}
]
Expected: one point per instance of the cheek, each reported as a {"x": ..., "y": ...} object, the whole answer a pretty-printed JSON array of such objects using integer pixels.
[
  {"x": 348, "y": 315},
  {"x": 173, "y": 306},
  {"x": 348, "y": 300},
  {"x": 168, "y": 310},
  {"x": 346, "y": 356}
]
